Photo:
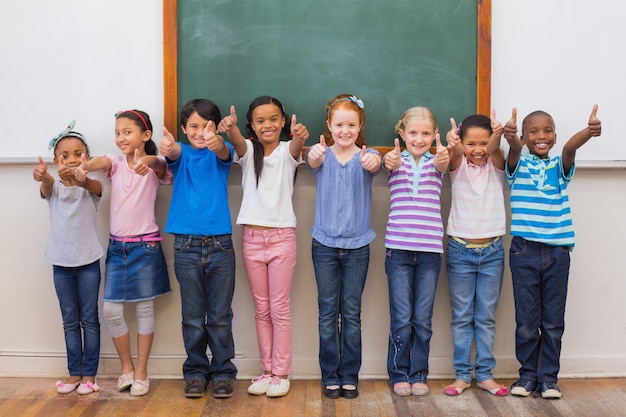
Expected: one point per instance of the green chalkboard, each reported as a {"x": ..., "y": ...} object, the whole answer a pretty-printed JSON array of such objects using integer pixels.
[{"x": 392, "y": 54}]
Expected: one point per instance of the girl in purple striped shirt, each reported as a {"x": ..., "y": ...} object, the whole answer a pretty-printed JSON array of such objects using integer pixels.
[{"x": 414, "y": 244}]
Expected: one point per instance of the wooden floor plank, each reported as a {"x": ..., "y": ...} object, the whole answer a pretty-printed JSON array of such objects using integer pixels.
[{"x": 37, "y": 397}]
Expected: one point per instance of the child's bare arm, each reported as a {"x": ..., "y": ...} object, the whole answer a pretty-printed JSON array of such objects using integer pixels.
[
  {"x": 515, "y": 144},
  {"x": 594, "y": 128},
  {"x": 493, "y": 146},
  {"x": 316, "y": 154},
  {"x": 228, "y": 125}
]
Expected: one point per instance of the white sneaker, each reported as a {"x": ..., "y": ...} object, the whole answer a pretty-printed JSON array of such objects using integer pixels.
[
  {"x": 260, "y": 384},
  {"x": 278, "y": 387}
]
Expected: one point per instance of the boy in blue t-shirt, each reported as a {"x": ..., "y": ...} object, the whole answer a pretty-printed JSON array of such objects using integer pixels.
[{"x": 543, "y": 236}]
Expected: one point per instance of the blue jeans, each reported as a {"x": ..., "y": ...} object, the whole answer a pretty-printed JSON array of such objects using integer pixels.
[
  {"x": 540, "y": 274},
  {"x": 340, "y": 276},
  {"x": 77, "y": 290},
  {"x": 412, "y": 278},
  {"x": 205, "y": 270},
  {"x": 474, "y": 282}
]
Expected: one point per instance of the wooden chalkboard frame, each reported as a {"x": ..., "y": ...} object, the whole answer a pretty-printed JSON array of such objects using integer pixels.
[{"x": 170, "y": 62}]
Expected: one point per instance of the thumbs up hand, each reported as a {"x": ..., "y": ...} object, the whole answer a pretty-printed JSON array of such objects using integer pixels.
[
  {"x": 298, "y": 130},
  {"x": 442, "y": 155},
  {"x": 40, "y": 171},
  {"x": 166, "y": 145},
  {"x": 510, "y": 128},
  {"x": 392, "y": 158},
  {"x": 140, "y": 167},
  {"x": 452, "y": 137},
  {"x": 595, "y": 126},
  {"x": 369, "y": 161},
  {"x": 496, "y": 127},
  {"x": 318, "y": 150},
  {"x": 64, "y": 171}
]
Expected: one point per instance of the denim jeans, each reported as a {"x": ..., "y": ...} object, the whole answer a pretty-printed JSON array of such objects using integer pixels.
[
  {"x": 340, "y": 276},
  {"x": 412, "y": 278},
  {"x": 77, "y": 290},
  {"x": 205, "y": 270},
  {"x": 474, "y": 283},
  {"x": 540, "y": 275}
]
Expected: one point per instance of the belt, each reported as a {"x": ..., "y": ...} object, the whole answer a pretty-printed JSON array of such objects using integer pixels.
[
  {"x": 150, "y": 237},
  {"x": 470, "y": 245}
]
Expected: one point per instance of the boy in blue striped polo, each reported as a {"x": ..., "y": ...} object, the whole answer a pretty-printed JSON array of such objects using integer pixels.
[{"x": 543, "y": 237}]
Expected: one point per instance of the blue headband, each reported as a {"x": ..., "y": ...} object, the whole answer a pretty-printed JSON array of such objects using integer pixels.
[{"x": 353, "y": 99}]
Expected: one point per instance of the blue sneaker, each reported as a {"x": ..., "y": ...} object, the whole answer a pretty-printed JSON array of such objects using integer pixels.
[
  {"x": 550, "y": 390},
  {"x": 523, "y": 387}
]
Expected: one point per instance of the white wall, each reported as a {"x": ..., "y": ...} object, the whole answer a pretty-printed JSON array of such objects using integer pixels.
[{"x": 120, "y": 67}]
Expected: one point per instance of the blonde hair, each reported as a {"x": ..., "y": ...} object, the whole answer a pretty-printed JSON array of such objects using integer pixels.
[{"x": 416, "y": 113}]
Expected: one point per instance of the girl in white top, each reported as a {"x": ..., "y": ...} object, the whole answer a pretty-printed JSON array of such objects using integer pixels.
[
  {"x": 475, "y": 254},
  {"x": 269, "y": 237}
]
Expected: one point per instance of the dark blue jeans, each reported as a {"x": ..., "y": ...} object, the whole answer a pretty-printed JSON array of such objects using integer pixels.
[
  {"x": 340, "y": 276},
  {"x": 540, "y": 274},
  {"x": 412, "y": 278},
  {"x": 205, "y": 270},
  {"x": 77, "y": 290}
]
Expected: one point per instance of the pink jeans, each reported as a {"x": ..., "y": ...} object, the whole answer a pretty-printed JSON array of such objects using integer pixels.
[{"x": 269, "y": 257}]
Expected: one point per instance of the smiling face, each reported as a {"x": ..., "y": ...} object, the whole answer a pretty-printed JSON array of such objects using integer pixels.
[
  {"x": 194, "y": 129},
  {"x": 418, "y": 136},
  {"x": 129, "y": 136},
  {"x": 475, "y": 145},
  {"x": 344, "y": 126},
  {"x": 538, "y": 134},
  {"x": 267, "y": 122}
]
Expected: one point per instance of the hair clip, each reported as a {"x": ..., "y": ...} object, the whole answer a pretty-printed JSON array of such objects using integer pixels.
[
  {"x": 67, "y": 133},
  {"x": 358, "y": 101}
]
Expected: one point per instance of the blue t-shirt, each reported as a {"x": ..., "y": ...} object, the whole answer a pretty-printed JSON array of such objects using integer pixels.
[
  {"x": 199, "y": 204},
  {"x": 342, "y": 203},
  {"x": 540, "y": 210}
]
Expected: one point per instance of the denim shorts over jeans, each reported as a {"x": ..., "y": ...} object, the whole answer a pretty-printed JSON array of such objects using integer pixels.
[
  {"x": 474, "y": 284},
  {"x": 340, "y": 275},
  {"x": 540, "y": 275},
  {"x": 77, "y": 290},
  {"x": 412, "y": 278},
  {"x": 205, "y": 270}
]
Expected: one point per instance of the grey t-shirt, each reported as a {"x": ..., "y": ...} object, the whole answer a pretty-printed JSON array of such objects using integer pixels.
[{"x": 74, "y": 238}]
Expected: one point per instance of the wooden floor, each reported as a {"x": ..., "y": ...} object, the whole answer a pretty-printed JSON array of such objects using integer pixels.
[{"x": 38, "y": 397}]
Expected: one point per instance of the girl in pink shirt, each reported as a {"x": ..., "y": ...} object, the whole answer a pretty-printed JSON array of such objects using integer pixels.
[
  {"x": 135, "y": 265},
  {"x": 475, "y": 254}
]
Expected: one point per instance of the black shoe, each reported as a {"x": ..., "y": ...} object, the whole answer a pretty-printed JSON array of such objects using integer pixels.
[
  {"x": 194, "y": 388},
  {"x": 523, "y": 387},
  {"x": 223, "y": 388},
  {"x": 349, "y": 394},
  {"x": 332, "y": 393}
]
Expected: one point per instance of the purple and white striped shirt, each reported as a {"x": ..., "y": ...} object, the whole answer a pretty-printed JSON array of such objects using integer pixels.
[{"x": 415, "y": 216}]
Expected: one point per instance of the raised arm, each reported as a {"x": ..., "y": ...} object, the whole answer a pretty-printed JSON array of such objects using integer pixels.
[
  {"x": 228, "y": 125},
  {"x": 79, "y": 174},
  {"x": 369, "y": 161},
  {"x": 594, "y": 128},
  {"x": 455, "y": 147},
  {"x": 493, "y": 146},
  {"x": 168, "y": 147},
  {"x": 299, "y": 134},
  {"x": 143, "y": 164},
  {"x": 515, "y": 144}
]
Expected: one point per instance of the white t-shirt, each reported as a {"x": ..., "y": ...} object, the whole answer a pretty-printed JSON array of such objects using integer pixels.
[{"x": 270, "y": 204}]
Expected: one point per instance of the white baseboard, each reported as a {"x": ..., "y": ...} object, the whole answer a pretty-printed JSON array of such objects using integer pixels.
[{"x": 169, "y": 366}]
